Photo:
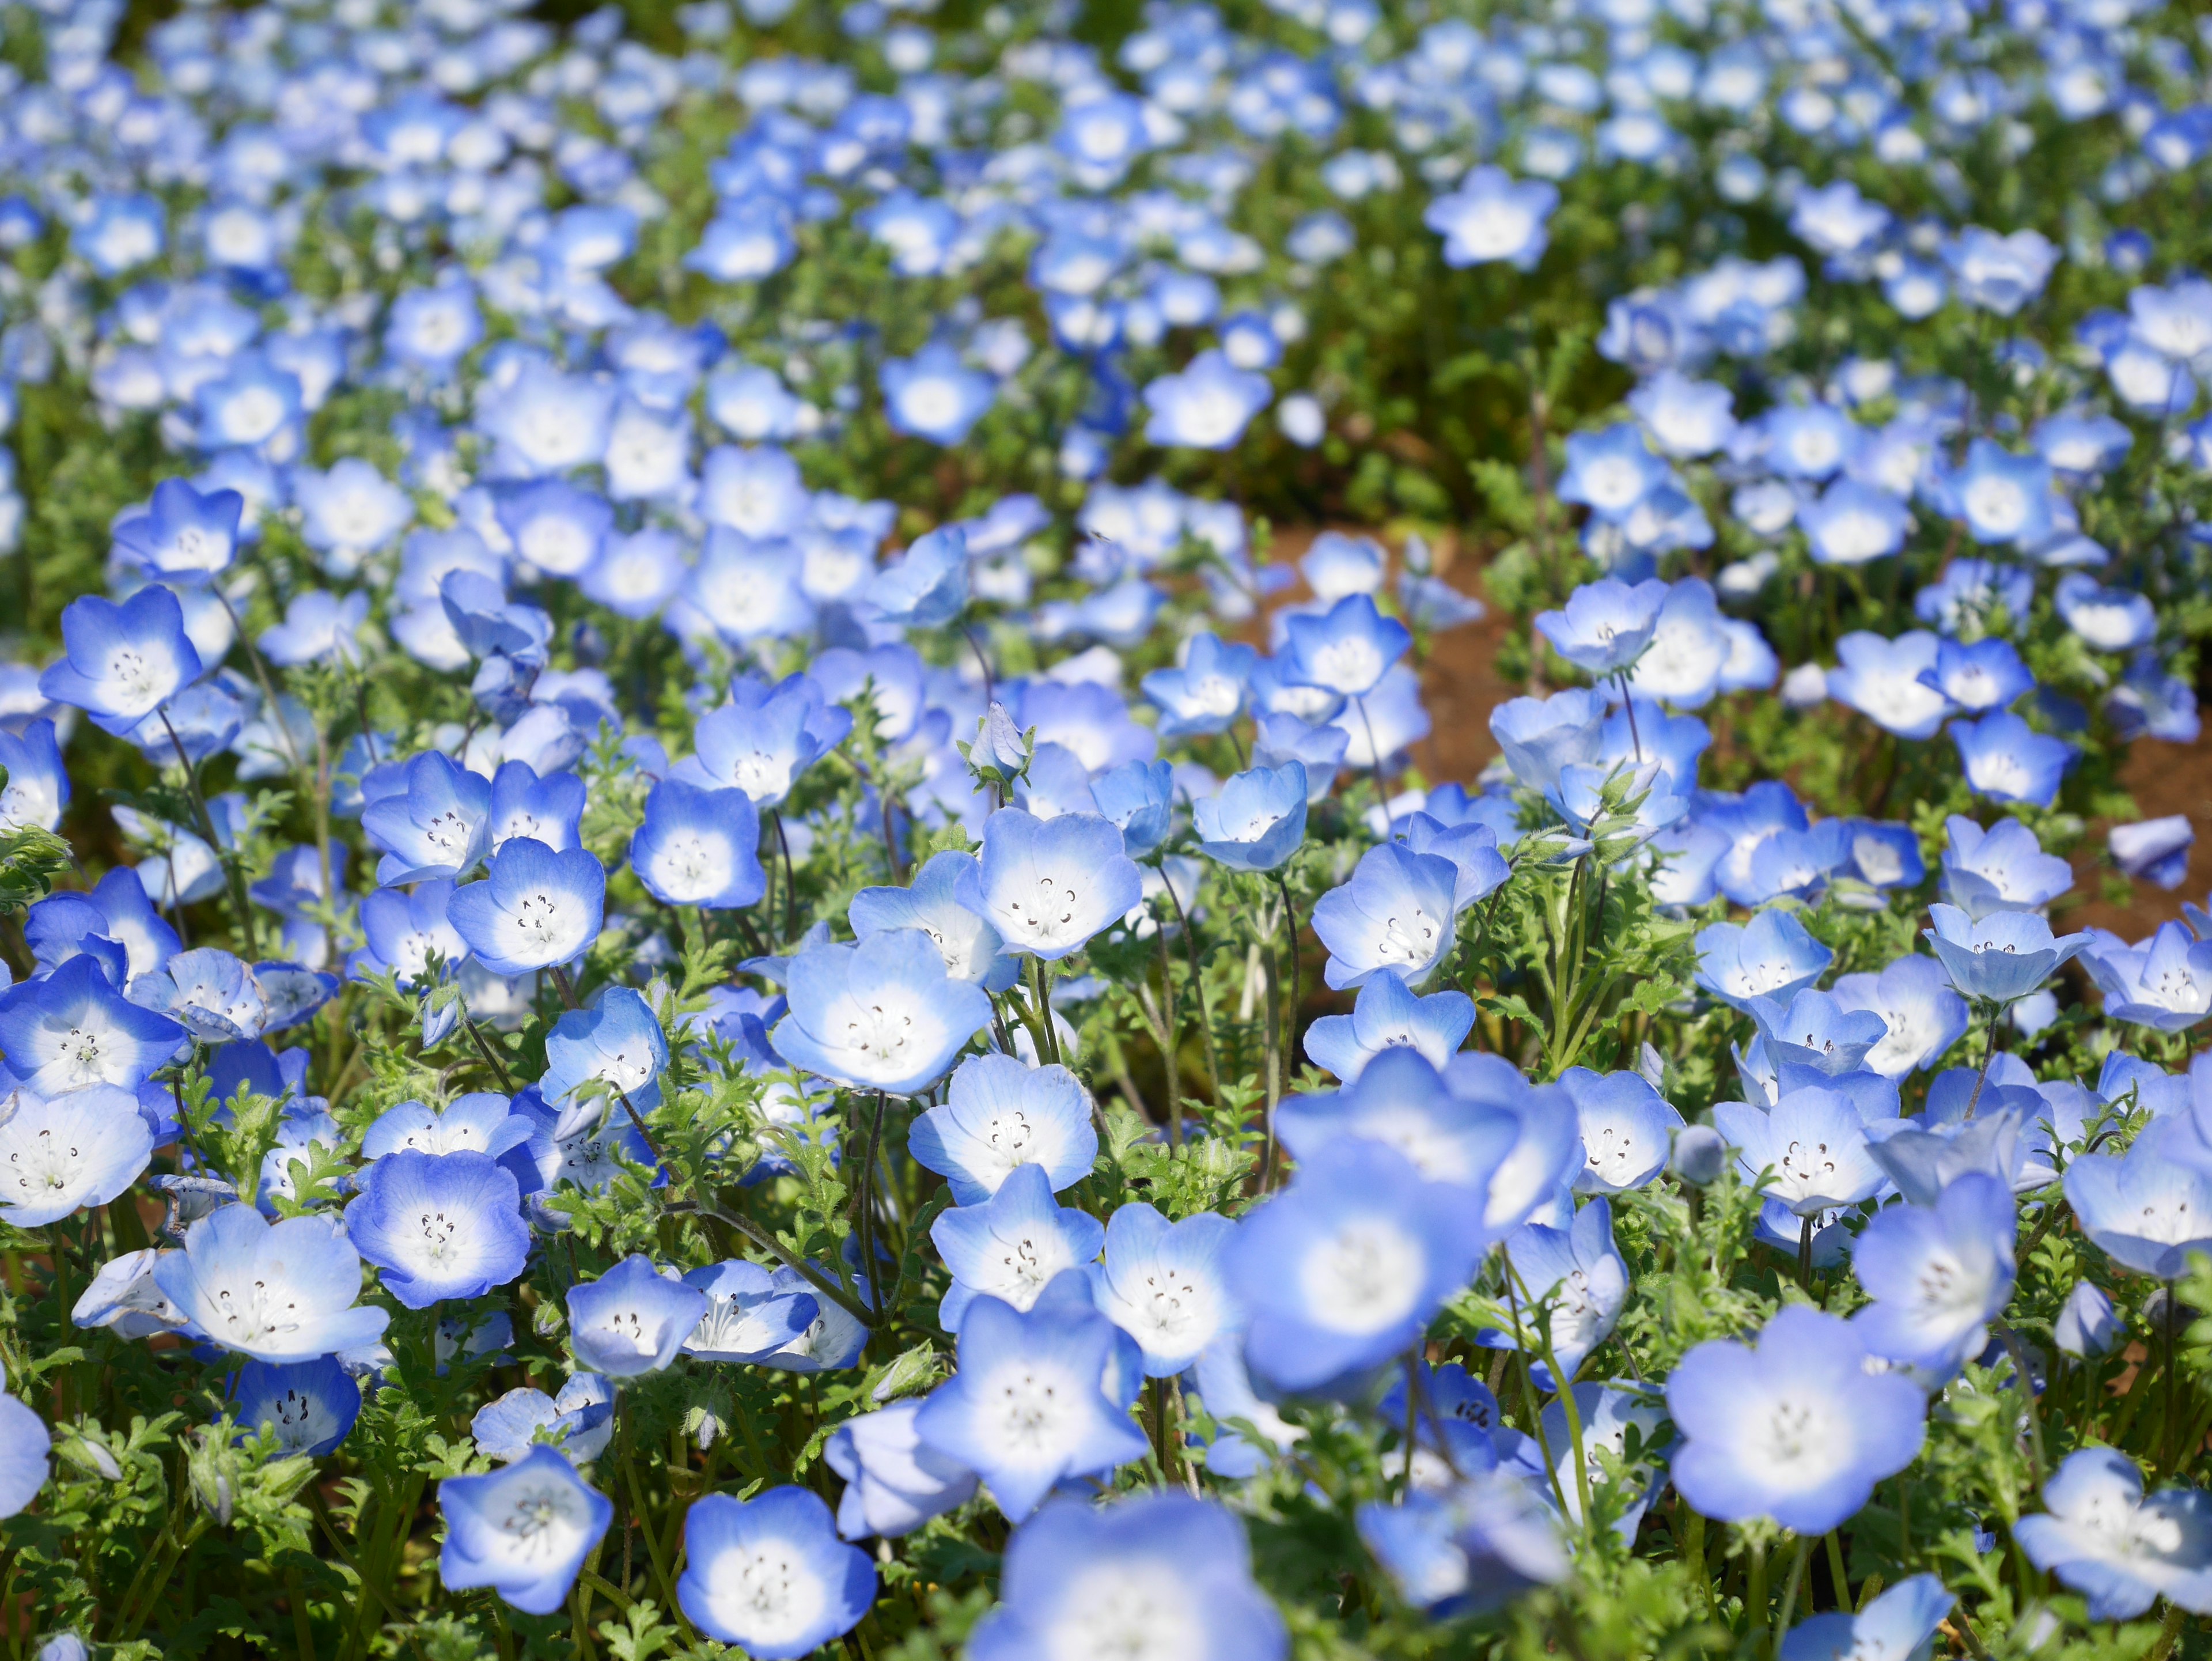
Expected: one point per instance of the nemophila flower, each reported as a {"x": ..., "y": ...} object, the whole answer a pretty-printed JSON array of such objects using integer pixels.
[
  {"x": 1922, "y": 1015},
  {"x": 769, "y": 1574},
  {"x": 1772, "y": 956},
  {"x": 122, "y": 661},
  {"x": 749, "y": 1314},
  {"x": 1813, "y": 1030},
  {"x": 2147, "y": 701},
  {"x": 1398, "y": 913},
  {"x": 2107, "y": 619},
  {"x": 764, "y": 737},
  {"x": 1937, "y": 1274},
  {"x": 2004, "y": 868},
  {"x": 524, "y": 1530},
  {"x": 1999, "y": 273},
  {"x": 1607, "y": 624},
  {"x": 1811, "y": 1146},
  {"x": 578, "y": 1422},
  {"x": 1628, "y": 1129},
  {"x": 1540, "y": 736},
  {"x": 184, "y": 535},
  {"x": 2099, "y": 1535},
  {"x": 632, "y": 1320},
  {"x": 482, "y": 1121},
  {"x": 437, "y": 822},
  {"x": 278, "y": 1292},
  {"x": 2002, "y": 497},
  {"x": 943, "y": 902},
  {"x": 1900, "y": 1623},
  {"x": 61, "y": 1154},
  {"x": 616, "y": 1041},
  {"x": 310, "y": 1405},
  {"x": 929, "y": 586},
  {"x": 1472, "y": 1548},
  {"x": 1988, "y": 674},
  {"x": 894, "y": 1481},
  {"x": 2086, "y": 1323},
  {"x": 1206, "y": 693},
  {"x": 25, "y": 1443},
  {"x": 1048, "y": 886},
  {"x": 934, "y": 395},
  {"x": 2149, "y": 1208},
  {"x": 998, "y": 1115},
  {"x": 1793, "y": 1428},
  {"x": 1345, "y": 1268},
  {"x": 1346, "y": 650},
  {"x": 880, "y": 1014},
  {"x": 1206, "y": 405},
  {"x": 439, "y": 1226},
  {"x": 536, "y": 909},
  {"x": 406, "y": 931},
  {"x": 1025, "y": 1408},
  {"x": 38, "y": 787},
  {"x": 2000, "y": 956},
  {"x": 1457, "y": 1131},
  {"x": 2165, "y": 983},
  {"x": 1139, "y": 796},
  {"x": 1163, "y": 1284},
  {"x": 73, "y": 1029},
  {"x": 1257, "y": 821},
  {"x": 1389, "y": 1014},
  {"x": 1492, "y": 217},
  {"x": 1160, "y": 1577},
  {"x": 1853, "y": 523},
  {"x": 1686, "y": 418},
  {"x": 1010, "y": 1245},
  {"x": 548, "y": 809},
  {"x": 1576, "y": 1275},
  {"x": 2154, "y": 849},
  {"x": 209, "y": 992},
  {"x": 1886, "y": 680}
]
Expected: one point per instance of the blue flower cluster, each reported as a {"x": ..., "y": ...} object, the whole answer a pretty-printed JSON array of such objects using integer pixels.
[{"x": 729, "y": 915}]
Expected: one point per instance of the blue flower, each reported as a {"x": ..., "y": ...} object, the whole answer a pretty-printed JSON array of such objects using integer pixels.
[
  {"x": 1163, "y": 1283},
  {"x": 1814, "y": 1142},
  {"x": 1853, "y": 523},
  {"x": 2007, "y": 760},
  {"x": 24, "y": 1445},
  {"x": 38, "y": 786},
  {"x": 2165, "y": 984},
  {"x": 437, "y": 823},
  {"x": 748, "y": 1314},
  {"x": 2086, "y": 1323},
  {"x": 1493, "y": 217},
  {"x": 2004, "y": 868},
  {"x": 1398, "y": 912},
  {"x": 184, "y": 535},
  {"x": 1793, "y": 1428},
  {"x": 1346, "y": 650},
  {"x": 1812, "y": 1029},
  {"x": 1456, "y": 1130},
  {"x": 1010, "y": 1245},
  {"x": 578, "y": 1422},
  {"x": 632, "y": 1320},
  {"x": 73, "y": 1029},
  {"x": 1890, "y": 682},
  {"x": 550, "y": 809},
  {"x": 1139, "y": 796},
  {"x": 535, "y": 910},
  {"x": 1627, "y": 1129},
  {"x": 1582, "y": 1275},
  {"x": 281, "y": 1292},
  {"x": 769, "y": 1574},
  {"x": 1206, "y": 692},
  {"x": 2149, "y": 1208},
  {"x": 894, "y": 1481},
  {"x": 1388, "y": 1014},
  {"x": 1048, "y": 886},
  {"x": 1345, "y": 1268},
  {"x": 616, "y": 1041},
  {"x": 1606, "y": 626},
  {"x": 1207, "y": 405},
  {"x": 1612, "y": 472},
  {"x": 944, "y": 902},
  {"x": 524, "y": 1531},
  {"x": 999, "y": 1115},
  {"x": 933, "y": 395},
  {"x": 2153, "y": 850},
  {"x": 311, "y": 1405},
  {"x": 439, "y": 1226},
  {"x": 880, "y": 1014},
  {"x": 1541, "y": 736},
  {"x": 764, "y": 738},
  {"x": 1937, "y": 1274},
  {"x": 1153, "y": 1575},
  {"x": 403, "y": 930},
  {"x": 317, "y": 628},
  {"x": 1985, "y": 675},
  {"x": 123, "y": 662},
  {"x": 1772, "y": 956},
  {"x": 482, "y": 1121},
  {"x": 1257, "y": 821},
  {"x": 2000, "y": 958},
  {"x": 1473, "y": 1548},
  {"x": 2100, "y": 1536},
  {"x": 1900, "y": 1623},
  {"x": 210, "y": 991},
  {"x": 59, "y": 1155},
  {"x": 1922, "y": 1015},
  {"x": 1027, "y": 1408},
  {"x": 928, "y": 587}
]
